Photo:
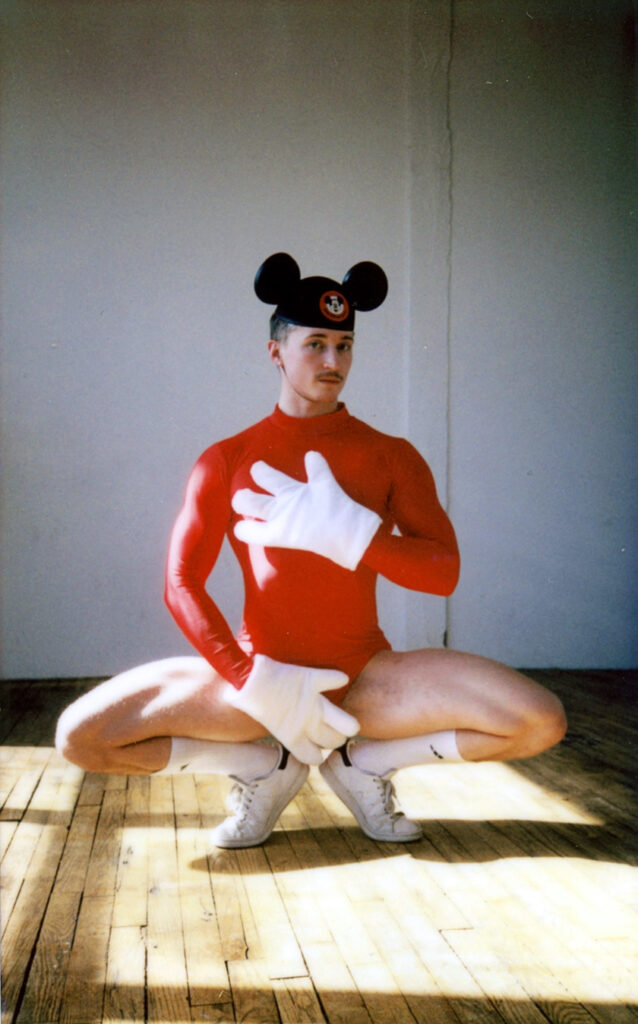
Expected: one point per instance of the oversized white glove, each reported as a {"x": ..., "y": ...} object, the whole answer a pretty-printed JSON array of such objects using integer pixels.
[
  {"x": 288, "y": 700},
  {"x": 316, "y": 516}
]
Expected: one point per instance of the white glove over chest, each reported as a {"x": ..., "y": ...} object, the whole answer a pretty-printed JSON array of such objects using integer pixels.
[
  {"x": 316, "y": 516},
  {"x": 288, "y": 700}
]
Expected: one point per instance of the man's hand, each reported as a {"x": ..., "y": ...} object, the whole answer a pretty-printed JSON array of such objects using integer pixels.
[
  {"x": 316, "y": 516},
  {"x": 288, "y": 701}
]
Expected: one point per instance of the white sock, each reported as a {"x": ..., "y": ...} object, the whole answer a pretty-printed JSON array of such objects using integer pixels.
[
  {"x": 382, "y": 757},
  {"x": 246, "y": 761}
]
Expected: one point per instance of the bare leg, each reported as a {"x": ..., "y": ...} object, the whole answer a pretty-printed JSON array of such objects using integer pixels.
[
  {"x": 498, "y": 713},
  {"x": 125, "y": 725}
]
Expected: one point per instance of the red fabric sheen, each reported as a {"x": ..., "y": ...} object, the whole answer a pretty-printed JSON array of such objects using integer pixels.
[{"x": 301, "y": 608}]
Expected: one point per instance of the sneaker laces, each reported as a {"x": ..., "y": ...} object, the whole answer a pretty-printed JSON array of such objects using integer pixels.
[
  {"x": 240, "y": 794},
  {"x": 240, "y": 797},
  {"x": 387, "y": 796},
  {"x": 385, "y": 789}
]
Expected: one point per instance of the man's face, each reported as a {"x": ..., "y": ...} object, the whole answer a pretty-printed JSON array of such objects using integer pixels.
[{"x": 315, "y": 363}]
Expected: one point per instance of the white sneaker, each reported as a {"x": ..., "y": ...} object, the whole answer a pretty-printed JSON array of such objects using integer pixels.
[
  {"x": 370, "y": 798},
  {"x": 256, "y": 805}
]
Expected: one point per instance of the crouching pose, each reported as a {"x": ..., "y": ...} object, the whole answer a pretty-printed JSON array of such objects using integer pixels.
[{"x": 315, "y": 504}]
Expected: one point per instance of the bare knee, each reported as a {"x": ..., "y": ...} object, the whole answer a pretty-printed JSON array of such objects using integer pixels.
[
  {"x": 76, "y": 741},
  {"x": 542, "y": 725},
  {"x": 98, "y": 729},
  {"x": 556, "y": 721},
  {"x": 64, "y": 734}
]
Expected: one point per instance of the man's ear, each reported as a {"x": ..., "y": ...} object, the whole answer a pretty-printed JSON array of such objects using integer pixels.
[{"x": 274, "y": 352}]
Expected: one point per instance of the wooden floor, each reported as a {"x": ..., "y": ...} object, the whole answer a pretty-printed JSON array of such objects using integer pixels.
[{"x": 520, "y": 904}]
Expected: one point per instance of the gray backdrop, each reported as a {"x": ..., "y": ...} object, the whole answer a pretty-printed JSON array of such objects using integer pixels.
[{"x": 155, "y": 153}]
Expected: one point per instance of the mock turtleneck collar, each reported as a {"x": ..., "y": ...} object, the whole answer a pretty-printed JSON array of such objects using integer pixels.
[{"x": 311, "y": 426}]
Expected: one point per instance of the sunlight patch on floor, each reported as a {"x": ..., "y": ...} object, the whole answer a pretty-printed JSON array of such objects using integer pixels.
[{"x": 484, "y": 792}]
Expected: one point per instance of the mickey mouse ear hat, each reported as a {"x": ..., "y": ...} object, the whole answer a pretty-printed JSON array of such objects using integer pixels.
[{"x": 319, "y": 301}]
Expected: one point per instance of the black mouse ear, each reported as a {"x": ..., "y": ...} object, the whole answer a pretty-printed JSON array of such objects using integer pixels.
[
  {"x": 366, "y": 284},
  {"x": 276, "y": 278}
]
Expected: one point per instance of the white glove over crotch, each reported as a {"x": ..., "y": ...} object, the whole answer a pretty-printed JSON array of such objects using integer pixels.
[
  {"x": 316, "y": 516},
  {"x": 288, "y": 701}
]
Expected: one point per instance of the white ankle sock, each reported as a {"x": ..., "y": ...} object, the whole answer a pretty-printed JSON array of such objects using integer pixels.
[
  {"x": 247, "y": 761},
  {"x": 381, "y": 757}
]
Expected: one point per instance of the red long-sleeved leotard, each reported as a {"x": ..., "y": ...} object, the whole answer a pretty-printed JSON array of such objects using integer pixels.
[{"x": 301, "y": 608}]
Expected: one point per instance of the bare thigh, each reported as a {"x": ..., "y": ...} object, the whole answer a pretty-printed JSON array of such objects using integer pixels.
[
  {"x": 171, "y": 697},
  {"x": 417, "y": 692}
]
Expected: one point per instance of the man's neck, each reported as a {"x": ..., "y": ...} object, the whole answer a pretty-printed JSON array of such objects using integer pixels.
[{"x": 304, "y": 408}]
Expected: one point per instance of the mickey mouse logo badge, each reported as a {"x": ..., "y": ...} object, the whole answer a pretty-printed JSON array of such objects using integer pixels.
[{"x": 334, "y": 306}]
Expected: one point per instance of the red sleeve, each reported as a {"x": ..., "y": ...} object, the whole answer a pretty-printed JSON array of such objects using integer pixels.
[
  {"x": 194, "y": 547},
  {"x": 425, "y": 556}
]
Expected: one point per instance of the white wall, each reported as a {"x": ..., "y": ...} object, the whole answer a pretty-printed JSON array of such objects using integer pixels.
[
  {"x": 543, "y": 338},
  {"x": 154, "y": 154}
]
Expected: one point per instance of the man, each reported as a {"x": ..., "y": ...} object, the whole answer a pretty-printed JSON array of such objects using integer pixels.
[{"x": 315, "y": 504}]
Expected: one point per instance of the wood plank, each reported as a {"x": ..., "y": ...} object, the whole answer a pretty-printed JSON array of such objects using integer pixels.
[
  {"x": 299, "y": 893},
  {"x": 124, "y": 993},
  {"x": 93, "y": 789},
  {"x": 31, "y": 708},
  {"x": 413, "y": 977},
  {"x": 86, "y": 974},
  {"x": 77, "y": 851},
  {"x": 542, "y": 904},
  {"x": 335, "y": 985},
  {"x": 16, "y": 864},
  {"x": 386, "y": 870},
  {"x": 253, "y": 998},
  {"x": 66, "y": 795},
  {"x": 591, "y": 904},
  {"x": 44, "y": 991},
  {"x": 208, "y": 981},
  {"x": 22, "y": 929},
  {"x": 409, "y": 980},
  {"x": 363, "y": 956},
  {"x": 297, "y": 1001},
  {"x": 279, "y": 945},
  {"x": 246, "y": 913},
  {"x": 206, "y": 972},
  {"x": 115, "y": 782},
  {"x": 52, "y": 802},
  {"x": 56, "y": 794},
  {"x": 11, "y": 717},
  {"x": 226, "y": 889},
  {"x": 349, "y": 934},
  {"x": 381, "y": 995},
  {"x": 102, "y": 870},
  {"x": 358, "y": 959},
  {"x": 521, "y": 899},
  {"x": 21, "y": 774},
  {"x": 543, "y": 958},
  {"x": 494, "y": 976},
  {"x": 131, "y": 888},
  {"x": 35, "y": 728},
  {"x": 451, "y": 975},
  {"x": 215, "y": 1013},
  {"x": 166, "y": 968},
  {"x": 236, "y": 928},
  {"x": 359, "y": 969},
  {"x": 166, "y": 959},
  {"x": 7, "y": 832}
]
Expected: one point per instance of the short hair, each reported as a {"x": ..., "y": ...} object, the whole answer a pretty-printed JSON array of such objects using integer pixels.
[{"x": 279, "y": 328}]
